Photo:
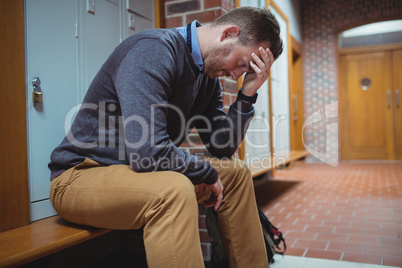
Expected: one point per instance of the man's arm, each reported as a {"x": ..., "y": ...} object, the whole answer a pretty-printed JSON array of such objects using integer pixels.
[
  {"x": 142, "y": 83},
  {"x": 228, "y": 131}
]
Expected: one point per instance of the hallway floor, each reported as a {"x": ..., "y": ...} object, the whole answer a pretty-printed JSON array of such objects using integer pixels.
[{"x": 351, "y": 213}]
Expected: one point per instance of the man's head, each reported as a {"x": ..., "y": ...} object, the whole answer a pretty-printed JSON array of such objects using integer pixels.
[
  {"x": 239, "y": 33},
  {"x": 256, "y": 26}
]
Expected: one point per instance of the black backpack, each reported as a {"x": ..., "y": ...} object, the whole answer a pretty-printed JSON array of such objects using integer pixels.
[{"x": 272, "y": 236}]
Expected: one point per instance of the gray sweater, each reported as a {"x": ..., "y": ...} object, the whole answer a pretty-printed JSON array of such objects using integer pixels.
[{"x": 142, "y": 104}]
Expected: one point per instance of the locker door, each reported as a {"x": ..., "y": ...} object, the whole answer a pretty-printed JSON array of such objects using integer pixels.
[
  {"x": 99, "y": 33},
  {"x": 51, "y": 55},
  {"x": 138, "y": 15},
  {"x": 66, "y": 44}
]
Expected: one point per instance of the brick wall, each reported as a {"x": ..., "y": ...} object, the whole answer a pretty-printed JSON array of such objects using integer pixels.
[
  {"x": 180, "y": 13},
  {"x": 322, "y": 20}
]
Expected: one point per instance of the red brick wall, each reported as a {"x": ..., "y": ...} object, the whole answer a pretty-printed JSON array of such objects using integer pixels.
[
  {"x": 321, "y": 22},
  {"x": 180, "y": 13}
]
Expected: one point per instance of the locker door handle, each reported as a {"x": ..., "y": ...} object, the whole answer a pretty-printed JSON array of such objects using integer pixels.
[
  {"x": 389, "y": 98},
  {"x": 37, "y": 92},
  {"x": 397, "y": 97}
]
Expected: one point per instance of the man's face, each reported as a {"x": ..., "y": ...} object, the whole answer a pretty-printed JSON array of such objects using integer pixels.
[{"x": 231, "y": 59}]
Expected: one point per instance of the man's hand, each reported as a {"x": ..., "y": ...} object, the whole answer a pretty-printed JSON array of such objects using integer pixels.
[
  {"x": 215, "y": 199},
  {"x": 261, "y": 66}
]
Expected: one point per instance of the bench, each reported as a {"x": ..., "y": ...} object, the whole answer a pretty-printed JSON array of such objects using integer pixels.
[
  {"x": 47, "y": 236},
  {"x": 268, "y": 164},
  {"x": 41, "y": 238}
]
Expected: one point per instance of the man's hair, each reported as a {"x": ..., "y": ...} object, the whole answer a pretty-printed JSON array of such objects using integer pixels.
[{"x": 256, "y": 26}]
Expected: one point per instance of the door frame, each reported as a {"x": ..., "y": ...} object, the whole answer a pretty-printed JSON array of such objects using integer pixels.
[
  {"x": 14, "y": 195},
  {"x": 342, "y": 84}
]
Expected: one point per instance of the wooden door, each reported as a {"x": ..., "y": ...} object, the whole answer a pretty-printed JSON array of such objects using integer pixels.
[
  {"x": 397, "y": 88},
  {"x": 367, "y": 114}
]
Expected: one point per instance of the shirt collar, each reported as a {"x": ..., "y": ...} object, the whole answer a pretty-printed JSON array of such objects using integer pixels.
[{"x": 195, "y": 45}]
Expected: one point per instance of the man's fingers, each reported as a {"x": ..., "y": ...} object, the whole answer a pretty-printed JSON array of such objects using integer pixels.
[
  {"x": 216, "y": 197},
  {"x": 210, "y": 202},
  {"x": 214, "y": 201},
  {"x": 270, "y": 56},
  {"x": 218, "y": 202},
  {"x": 267, "y": 57},
  {"x": 259, "y": 60},
  {"x": 262, "y": 63},
  {"x": 261, "y": 66},
  {"x": 257, "y": 71},
  {"x": 271, "y": 60}
]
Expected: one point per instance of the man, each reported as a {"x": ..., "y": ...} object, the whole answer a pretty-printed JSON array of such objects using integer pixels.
[{"x": 119, "y": 166}]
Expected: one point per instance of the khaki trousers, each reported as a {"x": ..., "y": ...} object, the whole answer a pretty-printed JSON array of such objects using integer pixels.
[{"x": 165, "y": 203}]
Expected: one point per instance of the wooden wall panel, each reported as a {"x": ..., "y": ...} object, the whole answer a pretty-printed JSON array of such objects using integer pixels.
[{"x": 14, "y": 204}]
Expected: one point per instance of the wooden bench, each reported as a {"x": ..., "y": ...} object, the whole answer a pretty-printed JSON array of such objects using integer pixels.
[
  {"x": 268, "y": 164},
  {"x": 47, "y": 236},
  {"x": 41, "y": 238}
]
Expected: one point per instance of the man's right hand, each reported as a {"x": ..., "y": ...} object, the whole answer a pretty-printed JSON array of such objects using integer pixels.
[
  {"x": 261, "y": 67},
  {"x": 216, "y": 197}
]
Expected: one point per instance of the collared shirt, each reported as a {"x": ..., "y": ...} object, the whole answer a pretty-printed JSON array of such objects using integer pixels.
[{"x": 195, "y": 45}]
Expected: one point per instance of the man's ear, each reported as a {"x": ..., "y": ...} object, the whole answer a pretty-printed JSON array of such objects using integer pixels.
[{"x": 230, "y": 31}]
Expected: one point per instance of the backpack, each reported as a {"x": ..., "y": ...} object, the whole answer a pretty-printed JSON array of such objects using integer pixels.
[{"x": 272, "y": 237}]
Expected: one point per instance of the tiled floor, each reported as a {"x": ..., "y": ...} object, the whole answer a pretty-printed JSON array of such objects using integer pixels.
[
  {"x": 352, "y": 212},
  {"x": 303, "y": 262}
]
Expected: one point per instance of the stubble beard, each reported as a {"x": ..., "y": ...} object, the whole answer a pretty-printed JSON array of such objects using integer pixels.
[{"x": 215, "y": 58}]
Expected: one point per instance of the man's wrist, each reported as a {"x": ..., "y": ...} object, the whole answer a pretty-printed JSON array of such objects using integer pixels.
[{"x": 247, "y": 98}]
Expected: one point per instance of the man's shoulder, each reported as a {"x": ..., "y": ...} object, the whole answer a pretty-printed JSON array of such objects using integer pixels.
[
  {"x": 148, "y": 41},
  {"x": 167, "y": 36}
]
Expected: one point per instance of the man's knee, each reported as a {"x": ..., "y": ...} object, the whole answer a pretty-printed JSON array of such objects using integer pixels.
[
  {"x": 234, "y": 169},
  {"x": 180, "y": 188},
  {"x": 176, "y": 199}
]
